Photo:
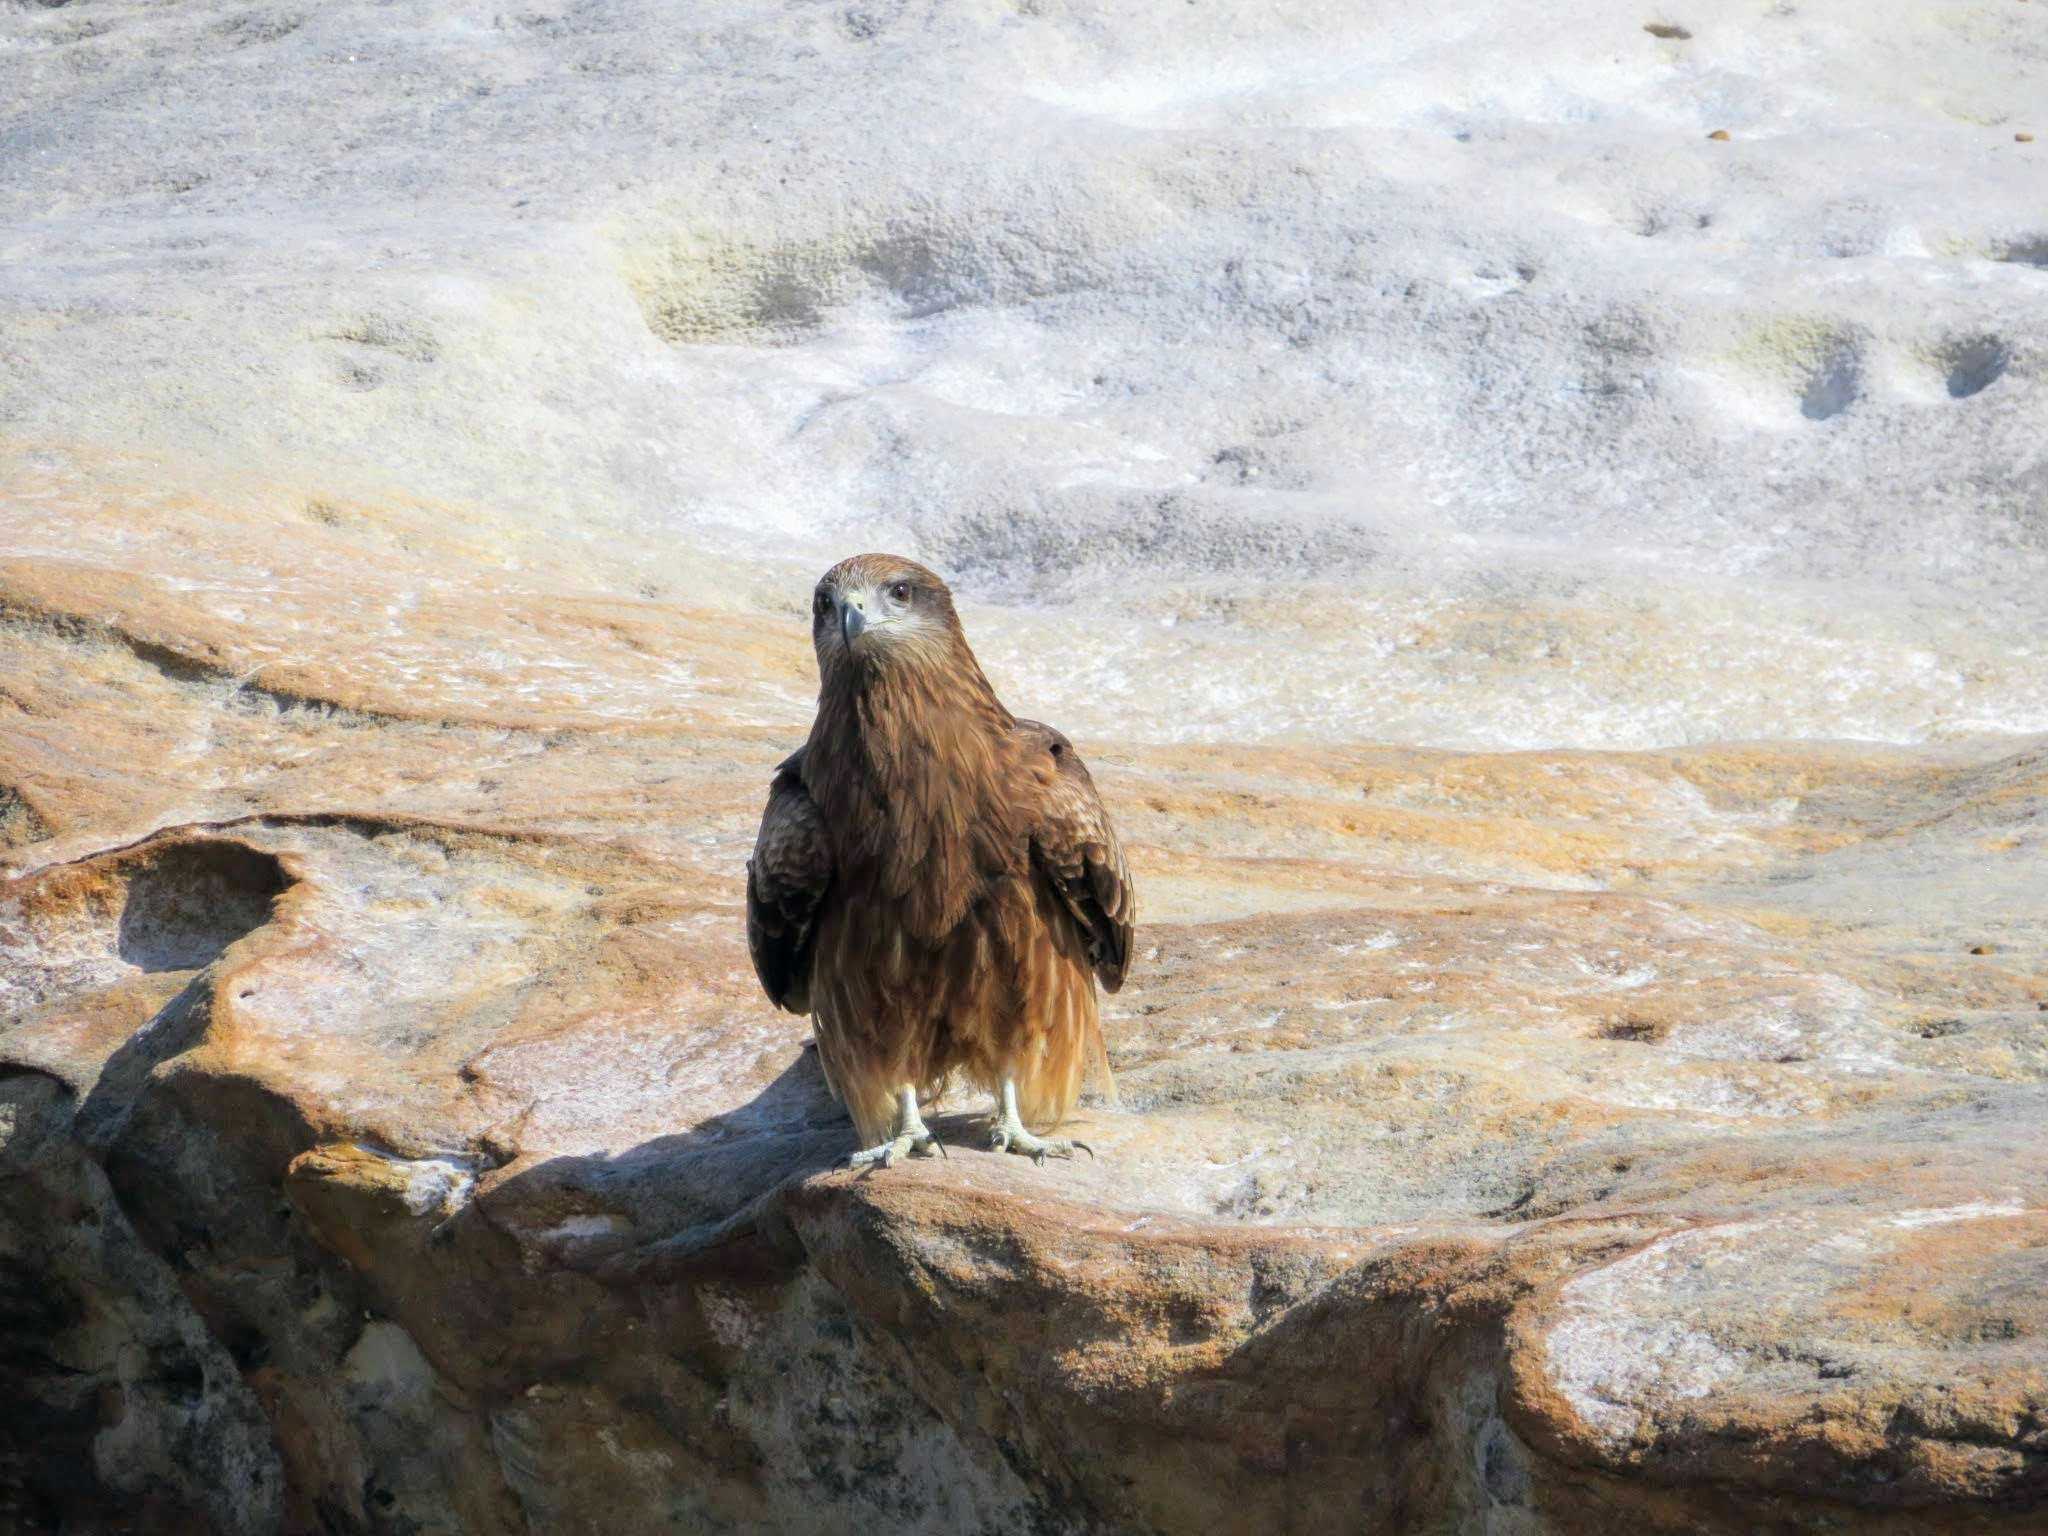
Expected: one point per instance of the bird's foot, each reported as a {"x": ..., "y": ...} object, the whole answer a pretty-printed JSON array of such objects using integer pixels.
[
  {"x": 1012, "y": 1137},
  {"x": 1006, "y": 1132},
  {"x": 912, "y": 1139},
  {"x": 920, "y": 1143}
]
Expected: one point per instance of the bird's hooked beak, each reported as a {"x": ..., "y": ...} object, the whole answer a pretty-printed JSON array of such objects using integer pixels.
[{"x": 853, "y": 615}]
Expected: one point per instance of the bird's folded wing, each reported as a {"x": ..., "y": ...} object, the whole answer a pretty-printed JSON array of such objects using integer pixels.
[
  {"x": 786, "y": 881},
  {"x": 1079, "y": 851}
]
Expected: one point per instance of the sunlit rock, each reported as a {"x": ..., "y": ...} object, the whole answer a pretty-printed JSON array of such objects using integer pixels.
[{"x": 1552, "y": 599}]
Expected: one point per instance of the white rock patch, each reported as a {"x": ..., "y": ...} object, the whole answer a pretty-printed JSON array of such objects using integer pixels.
[{"x": 1613, "y": 1361}]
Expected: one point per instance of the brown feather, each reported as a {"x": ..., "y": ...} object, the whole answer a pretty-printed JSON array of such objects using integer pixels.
[
  {"x": 936, "y": 881},
  {"x": 786, "y": 880}
]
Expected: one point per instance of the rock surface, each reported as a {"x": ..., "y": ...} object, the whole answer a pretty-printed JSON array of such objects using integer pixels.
[{"x": 421, "y": 426}]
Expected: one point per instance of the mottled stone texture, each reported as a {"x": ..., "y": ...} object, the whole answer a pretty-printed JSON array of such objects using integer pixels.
[
  {"x": 396, "y": 1139},
  {"x": 420, "y": 427}
]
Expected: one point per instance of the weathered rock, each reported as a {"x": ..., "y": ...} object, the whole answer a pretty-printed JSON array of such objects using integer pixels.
[
  {"x": 1525, "y": 1142},
  {"x": 421, "y": 427}
]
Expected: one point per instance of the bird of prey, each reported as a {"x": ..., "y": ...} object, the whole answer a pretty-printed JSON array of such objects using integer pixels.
[{"x": 936, "y": 882}]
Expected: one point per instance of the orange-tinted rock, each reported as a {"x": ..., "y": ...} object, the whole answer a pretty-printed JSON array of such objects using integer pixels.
[{"x": 1531, "y": 1142}]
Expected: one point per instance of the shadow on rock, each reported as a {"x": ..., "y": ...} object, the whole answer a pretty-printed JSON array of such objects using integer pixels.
[
  {"x": 187, "y": 901},
  {"x": 702, "y": 1199},
  {"x": 174, "y": 1029}
]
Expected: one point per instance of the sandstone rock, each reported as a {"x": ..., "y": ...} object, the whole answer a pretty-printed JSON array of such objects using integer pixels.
[
  {"x": 1619, "y": 1109},
  {"x": 1505, "y": 1142}
]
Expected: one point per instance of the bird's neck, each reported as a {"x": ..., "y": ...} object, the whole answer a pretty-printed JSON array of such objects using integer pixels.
[
  {"x": 905, "y": 720},
  {"x": 908, "y": 764}
]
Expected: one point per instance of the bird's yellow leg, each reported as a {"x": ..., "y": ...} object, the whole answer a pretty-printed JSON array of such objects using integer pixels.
[
  {"x": 1007, "y": 1134},
  {"x": 910, "y": 1138}
]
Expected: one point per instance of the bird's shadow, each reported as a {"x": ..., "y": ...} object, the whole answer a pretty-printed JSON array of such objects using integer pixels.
[
  {"x": 697, "y": 1196},
  {"x": 124, "y": 1077}
]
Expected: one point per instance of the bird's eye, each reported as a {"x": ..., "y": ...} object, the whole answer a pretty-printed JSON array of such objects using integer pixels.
[
  {"x": 900, "y": 592},
  {"x": 821, "y": 602}
]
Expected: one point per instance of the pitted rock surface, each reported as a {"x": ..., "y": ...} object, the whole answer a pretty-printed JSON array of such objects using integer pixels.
[{"x": 1551, "y": 598}]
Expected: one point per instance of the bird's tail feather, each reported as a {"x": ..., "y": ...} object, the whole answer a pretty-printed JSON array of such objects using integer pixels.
[{"x": 1098, "y": 1085}]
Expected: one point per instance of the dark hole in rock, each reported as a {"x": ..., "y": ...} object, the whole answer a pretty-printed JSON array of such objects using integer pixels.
[
  {"x": 180, "y": 1377},
  {"x": 187, "y": 902},
  {"x": 2027, "y": 251},
  {"x": 1975, "y": 365},
  {"x": 20, "y": 823},
  {"x": 246, "y": 1345},
  {"x": 1832, "y": 387},
  {"x": 1645, "y": 1030}
]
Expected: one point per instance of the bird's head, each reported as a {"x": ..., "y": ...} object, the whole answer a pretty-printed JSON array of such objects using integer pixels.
[{"x": 880, "y": 612}]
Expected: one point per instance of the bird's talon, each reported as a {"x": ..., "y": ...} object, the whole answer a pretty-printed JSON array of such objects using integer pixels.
[
  {"x": 1007, "y": 1134},
  {"x": 910, "y": 1144},
  {"x": 912, "y": 1138}
]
